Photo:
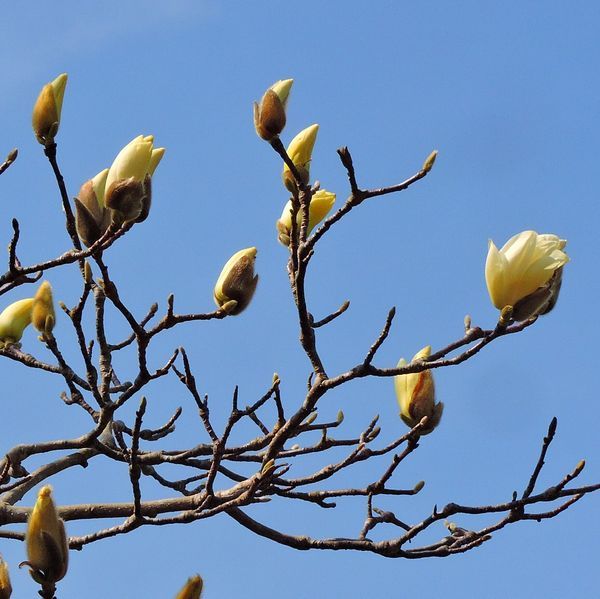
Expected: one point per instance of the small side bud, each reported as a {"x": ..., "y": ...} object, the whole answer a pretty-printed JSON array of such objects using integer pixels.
[
  {"x": 506, "y": 316},
  {"x": 267, "y": 468},
  {"x": 87, "y": 273},
  {"x": 12, "y": 155},
  {"x": 374, "y": 433},
  {"x": 192, "y": 588},
  {"x": 468, "y": 323},
  {"x": 340, "y": 417},
  {"x": 310, "y": 419},
  {"x": 229, "y": 307},
  {"x": 418, "y": 486},
  {"x": 237, "y": 282},
  {"x": 429, "y": 161}
]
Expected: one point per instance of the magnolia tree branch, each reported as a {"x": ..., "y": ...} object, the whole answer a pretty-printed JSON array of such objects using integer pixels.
[{"x": 216, "y": 474}]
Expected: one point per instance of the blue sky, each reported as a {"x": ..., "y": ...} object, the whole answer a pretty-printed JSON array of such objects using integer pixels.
[{"x": 509, "y": 95}]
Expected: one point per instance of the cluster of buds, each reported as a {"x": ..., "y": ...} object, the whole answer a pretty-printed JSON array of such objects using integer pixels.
[
  {"x": 192, "y": 588},
  {"x": 46, "y": 541},
  {"x": 237, "y": 282},
  {"x": 46, "y": 110},
  {"x": 38, "y": 310},
  {"x": 524, "y": 277},
  {"x": 122, "y": 193},
  {"x": 415, "y": 393},
  {"x": 269, "y": 121}
]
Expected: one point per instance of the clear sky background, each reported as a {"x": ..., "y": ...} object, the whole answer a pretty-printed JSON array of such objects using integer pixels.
[{"x": 509, "y": 95}]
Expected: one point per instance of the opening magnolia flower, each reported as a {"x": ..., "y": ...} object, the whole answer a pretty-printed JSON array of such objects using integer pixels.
[
  {"x": 415, "y": 393},
  {"x": 526, "y": 273}
]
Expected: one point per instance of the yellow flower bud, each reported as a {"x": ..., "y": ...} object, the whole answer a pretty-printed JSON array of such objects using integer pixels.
[
  {"x": 46, "y": 111},
  {"x": 300, "y": 152},
  {"x": 269, "y": 115},
  {"x": 415, "y": 393},
  {"x": 320, "y": 204},
  {"x": 5, "y": 587},
  {"x": 47, "y": 549},
  {"x": 42, "y": 315},
  {"x": 526, "y": 273},
  {"x": 92, "y": 217},
  {"x": 192, "y": 589},
  {"x": 14, "y": 319},
  {"x": 128, "y": 188},
  {"x": 429, "y": 161},
  {"x": 236, "y": 283}
]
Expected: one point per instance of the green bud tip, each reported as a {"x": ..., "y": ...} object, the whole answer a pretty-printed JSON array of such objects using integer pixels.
[{"x": 429, "y": 161}]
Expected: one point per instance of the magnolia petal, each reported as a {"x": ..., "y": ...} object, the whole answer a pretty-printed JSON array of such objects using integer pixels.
[
  {"x": 495, "y": 267},
  {"x": 519, "y": 252}
]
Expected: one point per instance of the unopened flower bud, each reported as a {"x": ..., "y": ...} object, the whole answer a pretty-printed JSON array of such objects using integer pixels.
[
  {"x": 87, "y": 273},
  {"x": 5, "y": 587},
  {"x": 92, "y": 217},
  {"x": 237, "y": 281},
  {"x": 269, "y": 115},
  {"x": 13, "y": 321},
  {"x": 300, "y": 152},
  {"x": 42, "y": 315},
  {"x": 47, "y": 550},
  {"x": 429, "y": 161},
  {"x": 526, "y": 273},
  {"x": 128, "y": 186},
  {"x": 46, "y": 111},
  {"x": 310, "y": 419},
  {"x": 192, "y": 589},
  {"x": 415, "y": 393},
  {"x": 320, "y": 204}
]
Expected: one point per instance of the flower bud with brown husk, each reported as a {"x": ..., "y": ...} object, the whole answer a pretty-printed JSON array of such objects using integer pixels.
[
  {"x": 128, "y": 183},
  {"x": 5, "y": 587},
  {"x": 415, "y": 393},
  {"x": 47, "y": 549},
  {"x": 237, "y": 282},
  {"x": 43, "y": 316},
  {"x": 269, "y": 115},
  {"x": 92, "y": 217},
  {"x": 321, "y": 203},
  {"x": 526, "y": 273},
  {"x": 192, "y": 589},
  {"x": 46, "y": 111}
]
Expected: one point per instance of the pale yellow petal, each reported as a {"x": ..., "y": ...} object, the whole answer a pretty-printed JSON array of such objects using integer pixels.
[
  {"x": 495, "y": 267},
  {"x": 282, "y": 89},
  {"x": 58, "y": 89}
]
